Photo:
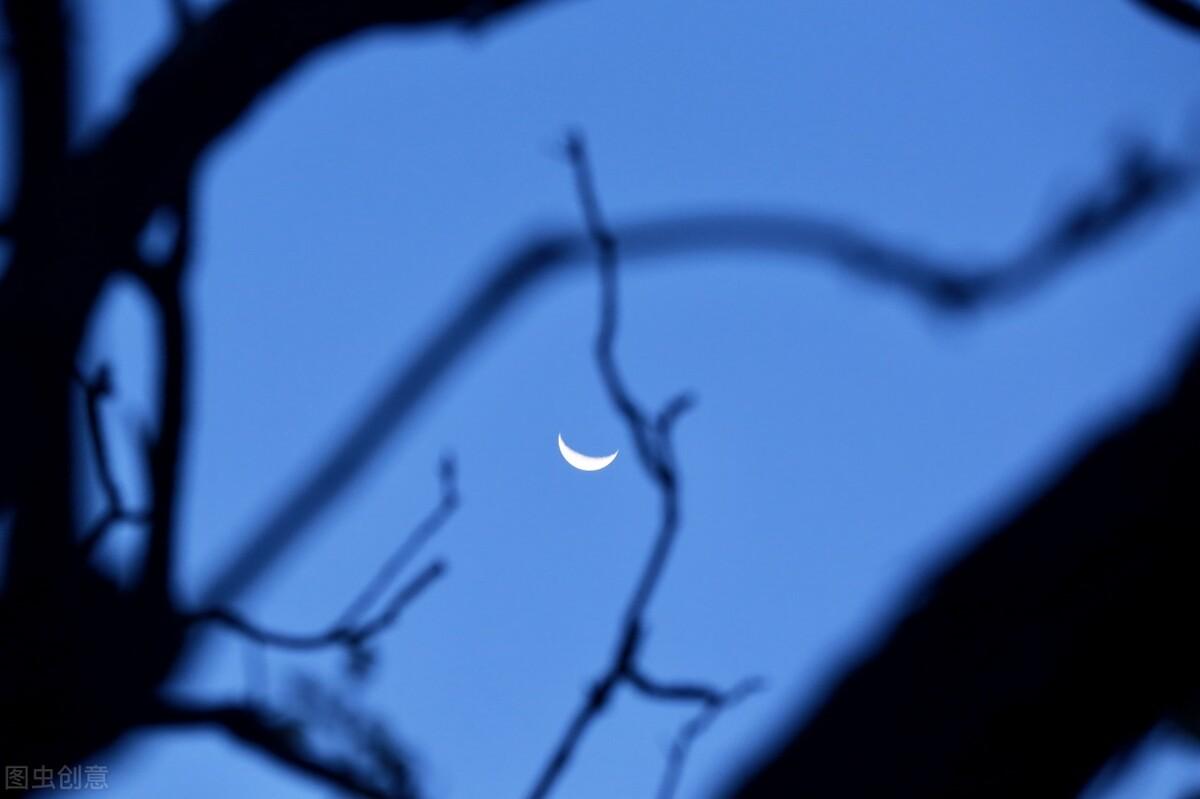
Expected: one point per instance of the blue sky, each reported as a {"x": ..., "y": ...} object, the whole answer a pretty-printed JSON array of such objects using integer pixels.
[{"x": 845, "y": 438}]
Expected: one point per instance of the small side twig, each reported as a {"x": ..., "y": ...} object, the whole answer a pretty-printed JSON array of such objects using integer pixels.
[
  {"x": 652, "y": 439},
  {"x": 353, "y": 628},
  {"x": 95, "y": 390},
  {"x": 694, "y": 728}
]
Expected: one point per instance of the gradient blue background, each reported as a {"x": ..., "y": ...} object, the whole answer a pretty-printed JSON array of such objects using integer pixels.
[{"x": 845, "y": 437}]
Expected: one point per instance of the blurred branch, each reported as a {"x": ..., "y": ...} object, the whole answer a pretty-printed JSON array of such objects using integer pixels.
[
  {"x": 207, "y": 82},
  {"x": 652, "y": 439},
  {"x": 39, "y": 36},
  {"x": 1180, "y": 12},
  {"x": 411, "y": 547},
  {"x": 164, "y": 282},
  {"x": 1141, "y": 181},
  {"x": 352, "y": 629},
  {"x": 274, "y": 738},
  {"x": 1048, "y": 646}
]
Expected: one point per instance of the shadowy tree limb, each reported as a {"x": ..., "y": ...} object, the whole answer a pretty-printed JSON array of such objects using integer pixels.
[
  {"x": 342, "y": 633},
  {"x": 196, "y": 92},
  {"x": 652, "y": 443},
  {"x": 1029, "y": 660},
  {"x": 273, "y": 737},
  {"x": 164, "y": 282},
  {"x": 1140, "y": 182},
  {"x": 40, "y": 43},
  {"x": 183, "y": 16},
  {"x": 95, "y": 391},
  {"x": 1182, "y": 13}
]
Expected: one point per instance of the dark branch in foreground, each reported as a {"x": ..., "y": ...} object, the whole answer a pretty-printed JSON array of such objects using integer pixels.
[
  {"x": 1053, "y": 644},
  {"x": 1140, "y": 182},
  {"x": 281, "y": 741},
  {"x": 1180, "y": 12},
  {"x": 354, "y": 628},
  {"x": 652, "y": 440}
]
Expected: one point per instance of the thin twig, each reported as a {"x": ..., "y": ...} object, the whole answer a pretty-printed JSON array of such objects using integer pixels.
[
  {"x": 352, "y": 637},
  {"x": 411, "y": 547},
  {"x": 1140, "y": 182},
  {"x": 95, "y": 391},
  {"x": 184, "y": 16},
  {"x": 351, "y": 630},
  {"x": 694, "y": 728},
  {"x": 652, "y": 440}
]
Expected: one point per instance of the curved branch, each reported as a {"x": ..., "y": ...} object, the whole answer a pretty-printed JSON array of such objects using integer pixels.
[
  {"x": 40, "y": 44},
  {"x": 226, "y": 63},
  {"x": 1181, "y": 12},
  {"x": 1047, "y": 648},
  {"x": 1141, "y": 182}
]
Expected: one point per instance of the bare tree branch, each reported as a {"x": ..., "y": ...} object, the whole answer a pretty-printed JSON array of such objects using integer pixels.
[
  {"x": 184, "y": 16},
  {"x": 229, "y": 60},
  {"x": 341, "y": 634},
  {"x": 1141, "y": 181},
  {"x": 95, "y": 391},
  {"x": 353, "y": 627},
  {"x": 694, "y": 728},
  {"x": 273, "y": 737},
  {"x": 652, "y": 440},
  {"x": 1026, "y": 662},
  {"x": 40, "y": 41},
  {"x": 1182, "y": 13},
  {"x": 411, "y": 547},
  {"x": 164, "y": 281},
  {"x": 201, "y": 88}
]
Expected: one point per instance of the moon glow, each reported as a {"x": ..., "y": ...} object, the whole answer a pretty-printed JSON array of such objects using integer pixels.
[{"x": 585, "y": 463}]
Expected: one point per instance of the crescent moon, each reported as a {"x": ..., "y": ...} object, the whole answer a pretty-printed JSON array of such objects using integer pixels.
[{"x": 586, "y": 463}]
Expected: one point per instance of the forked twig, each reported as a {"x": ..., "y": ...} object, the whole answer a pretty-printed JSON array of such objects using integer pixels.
[
  {"x": 354, "y": 626},
  {"x": 652, "y": 440}
]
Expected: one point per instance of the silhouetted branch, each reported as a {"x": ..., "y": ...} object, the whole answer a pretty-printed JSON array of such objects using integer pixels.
[
  {"x": 206, "y": 83},
  {"x": 164, "y": 282},
  {"x": 1141, "y": 181},
  {"x": 39, "y": 37},
  {"x": 429, "y": 526},
  {"x": 1181, "y": 12},
  {"x": 350, "y": 636},
  {"x": 652, "y": 440},
  {"x": 281, "y": 741},
  {"x": 353, "y": 627},
  {"x": 1029, "y": 660},
  {"x": 694, "y": 728},
  {"x": 95, "y": 391},
  {"x": 183, "y": 15},
  {"x": 73, "y": 241}
]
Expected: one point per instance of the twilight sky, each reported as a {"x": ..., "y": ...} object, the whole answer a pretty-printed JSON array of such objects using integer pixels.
[{"x": 845, "y": 438}]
